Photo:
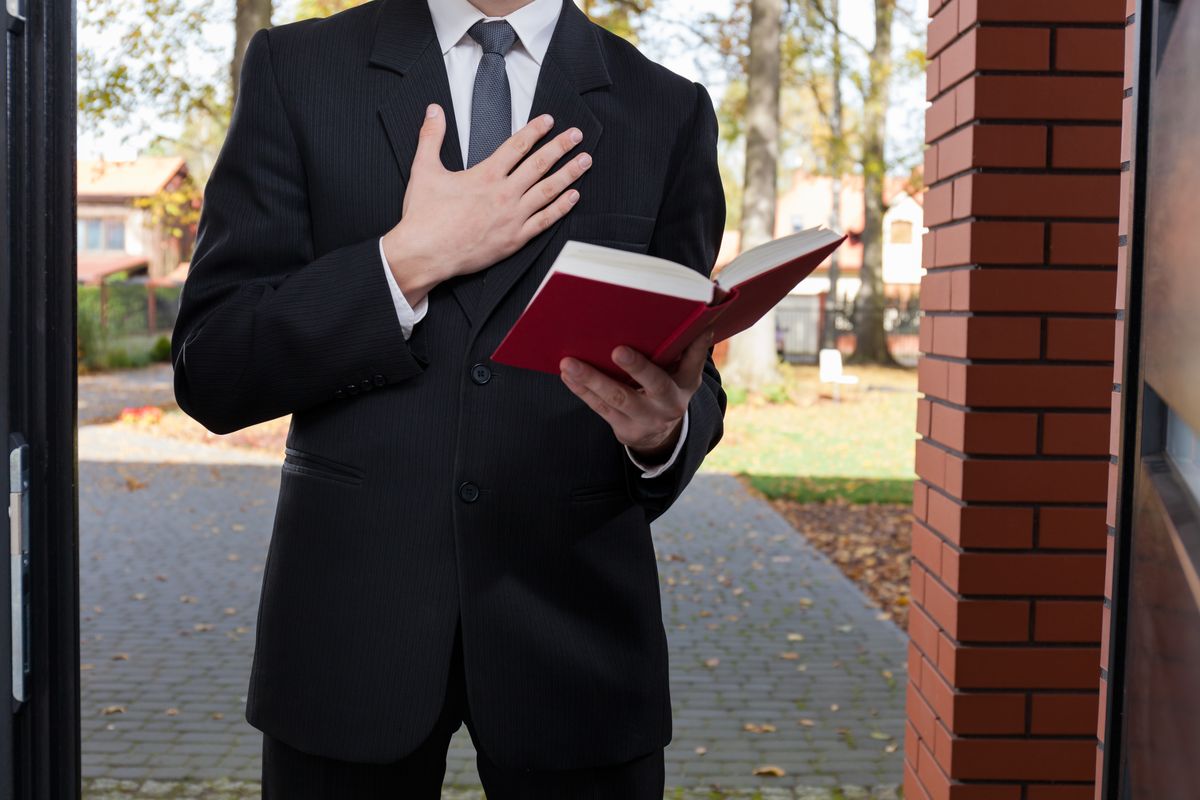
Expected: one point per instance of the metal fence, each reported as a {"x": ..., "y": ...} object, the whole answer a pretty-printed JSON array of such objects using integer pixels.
[
  {"x": 799, "y": 322},
  {"x": 130, "y": 308}
]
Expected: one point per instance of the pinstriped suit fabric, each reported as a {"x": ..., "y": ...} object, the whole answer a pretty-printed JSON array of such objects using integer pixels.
[{"x": 376, "y": 554}]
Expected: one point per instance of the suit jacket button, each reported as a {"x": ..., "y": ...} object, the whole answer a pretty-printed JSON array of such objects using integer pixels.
[
  {"x": 469, "y": 492},
  {"x": 340, "y": 394},
  {"x": 379, "y": 380},
  {"x": 366, "y": 385},
  {"x": 481, "y": 374},
  {"x": 352, "y": 389}
]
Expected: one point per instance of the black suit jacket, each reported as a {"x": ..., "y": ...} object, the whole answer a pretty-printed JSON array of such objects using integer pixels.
[{"x": 424, "y": 484}]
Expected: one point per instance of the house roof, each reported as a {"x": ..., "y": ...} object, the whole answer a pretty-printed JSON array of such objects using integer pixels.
[
  {"x": 142, "y": 177},
  {"x": 95, "y": 267}
]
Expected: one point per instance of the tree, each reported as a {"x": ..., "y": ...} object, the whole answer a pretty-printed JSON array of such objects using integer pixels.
[
  {"x": 619, "y": 16},
  {"x": 249, "y": 17},
  {"x": 752, "y": 359},
  {"x": 871, "y": 337}
]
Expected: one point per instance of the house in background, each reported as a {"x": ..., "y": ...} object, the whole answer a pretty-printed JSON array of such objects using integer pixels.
[
  {"x": 807, "y": 203},
  {"x": 114, "y": 234}
]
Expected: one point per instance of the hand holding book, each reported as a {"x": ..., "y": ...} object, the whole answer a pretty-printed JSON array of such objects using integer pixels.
[{"x": 594, "y": 299}]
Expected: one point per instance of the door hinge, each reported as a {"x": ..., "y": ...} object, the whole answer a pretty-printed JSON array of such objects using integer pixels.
[{"x": 18, "y": 542}]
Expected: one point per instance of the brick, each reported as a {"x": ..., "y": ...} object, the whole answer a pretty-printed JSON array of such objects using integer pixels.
[
  {"x": 1036, "y": 385},
  {"x": 943, "y": 28},
  {"x": 1038, "y": 97},
  {"x": 984, "y": 242},
  {"x": 1025, "y": 573},
  {"x": 977, "y": 620},
  {"x": 933, "y": 377},
  {"x": 940, "y": 117},
  {"x": 1083, "y": 243},
  {"x": 1021, "y": 49},
  {"x": 917, "y": 583},
  {"x": 924, "y": 406},
  {"x": 979, "y": 525},
  {"x": 1022, "y": 759},
  {"x": 920, "y": 714},
  {"x": 974, "y": 11},
  {"x": 1064, "y": 714},
  {"x": 990, "y": 337},
  {"x": 935, "y": 292},
  {"x": 1061, "y": 791},
  {"x": 973, "y": 713},
  {"x": 1075, "y": 434},
  {"x": 1019, "y": 195},
  {"x": 932, "y": 78},
  {"x": 1067, "y": 620},
  {"x": 1019, "y": 667},
  {"x": 1089, "y": 49},
  {"x": 984, "y": 433},
  {"x": 1102, "y": 704},
  {"x": 931, "y": 463},
  {"x": 1091, "y": 147},
  {"x": 1047, "y": 291},
  {"x": 931, "y": 166},
  {"x": 1000, "y": 146},
  {"x": 912, "y": 786},
  {"x": 927, "y": 548},
  {"x": 1126, "y": 152},
  {"x": 939, "y": 204},
  {"x": 923, "y": 630},
  {"x": 1115, "y": 419},
  {"x": 1072, "y": 528},
  {"x": 1079, "y": 339}
]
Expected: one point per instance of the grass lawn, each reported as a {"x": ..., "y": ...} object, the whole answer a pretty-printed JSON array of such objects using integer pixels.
[{"x": 812, "y": 449}]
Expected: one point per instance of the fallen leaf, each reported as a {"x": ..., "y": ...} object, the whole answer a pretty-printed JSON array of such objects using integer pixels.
[{"x": 769, "y": 771}]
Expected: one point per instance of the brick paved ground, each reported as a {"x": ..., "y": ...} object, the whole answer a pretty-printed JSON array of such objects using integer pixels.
[
  {"x": 763, "y": 632},
  {"x": 104, "y": 394}
]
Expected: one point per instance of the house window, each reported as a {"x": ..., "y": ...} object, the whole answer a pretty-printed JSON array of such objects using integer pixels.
[
  {"x": 101, "y": 234},
  {"x": 901, "y": 232}
]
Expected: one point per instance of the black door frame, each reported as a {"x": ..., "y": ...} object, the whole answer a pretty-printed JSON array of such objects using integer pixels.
[
  {"x": 1134, "y": 419},
  {"x": 40, "y": 152}
]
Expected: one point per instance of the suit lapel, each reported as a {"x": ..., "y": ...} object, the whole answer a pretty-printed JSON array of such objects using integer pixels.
[{"x": 406, "y": 42}]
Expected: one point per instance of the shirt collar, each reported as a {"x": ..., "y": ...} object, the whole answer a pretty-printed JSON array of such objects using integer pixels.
[{"x": 534, "y": 23}]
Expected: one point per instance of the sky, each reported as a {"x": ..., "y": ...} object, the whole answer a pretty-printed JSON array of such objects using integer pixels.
[{"x": 669, "y": 44}]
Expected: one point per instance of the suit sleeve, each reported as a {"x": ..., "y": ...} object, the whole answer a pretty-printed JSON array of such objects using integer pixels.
[
  {"x": 266, "y": 326},
  {"x": 691, "y": 223}
]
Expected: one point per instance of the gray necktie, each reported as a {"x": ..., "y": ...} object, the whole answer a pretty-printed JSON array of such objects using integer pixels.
[{"x": 491, "y": 103}]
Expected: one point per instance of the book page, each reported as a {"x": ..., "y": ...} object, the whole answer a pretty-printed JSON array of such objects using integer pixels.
[
  {"x": 635, "y": 270},
  {"x": 766, "y": 257}
]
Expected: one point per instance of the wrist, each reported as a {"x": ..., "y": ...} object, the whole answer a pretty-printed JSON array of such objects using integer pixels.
[
  {"x": 416, "y": 274},
  {"x": 659, "y": 453}
]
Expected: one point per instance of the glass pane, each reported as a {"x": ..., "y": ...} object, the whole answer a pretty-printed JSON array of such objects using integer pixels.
[
  {"x": 114, "y": 235},
  {"x": 93, "y": 234},
  {"x": 1183, "y": 448}
]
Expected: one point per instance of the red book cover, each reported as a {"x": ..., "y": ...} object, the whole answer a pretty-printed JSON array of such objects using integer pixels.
[{"x": 587, "y": 318}]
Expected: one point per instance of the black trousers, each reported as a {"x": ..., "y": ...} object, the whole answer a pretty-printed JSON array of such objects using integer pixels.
[{"x": 290, "y": 774}]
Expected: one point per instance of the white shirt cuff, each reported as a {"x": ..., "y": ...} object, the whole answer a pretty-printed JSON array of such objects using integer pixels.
[
  {"x": 654, "y": 472},
  {"x": 408, "y": 315}
]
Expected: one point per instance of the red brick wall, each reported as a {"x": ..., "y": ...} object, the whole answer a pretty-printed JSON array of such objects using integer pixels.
[
  {"x": 1120, "y": 348},
  {"x": 1009, "y": 538}
]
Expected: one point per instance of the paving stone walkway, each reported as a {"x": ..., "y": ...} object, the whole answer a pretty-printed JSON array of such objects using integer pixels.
[{"x": 777, "y": 659}]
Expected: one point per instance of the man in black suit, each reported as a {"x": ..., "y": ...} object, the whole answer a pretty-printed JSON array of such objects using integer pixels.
[{"x": 454, "y": 540}]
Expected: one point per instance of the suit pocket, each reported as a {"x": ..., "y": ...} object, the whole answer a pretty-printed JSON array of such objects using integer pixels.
[
  {"x": 622, "y": 231},
  {"x": 314, "y": 466},
  {"x": 598, "y": 493}
]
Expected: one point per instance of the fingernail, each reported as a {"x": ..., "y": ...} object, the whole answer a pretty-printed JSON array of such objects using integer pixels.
[
  {"x": 570, "y": 368},
  {"x": 431, "y": 112},
  {"x": 576, "y": 136},
  {"x": 573, "y": 197},
  {"x": 624, "y": 356},
  {"x": 585, "y": 161},
  {"x": 547, "y": 119}
]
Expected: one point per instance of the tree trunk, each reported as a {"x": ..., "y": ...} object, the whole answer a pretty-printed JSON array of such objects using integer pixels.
[
  {"x": 752, "y": 361},
  {"x": 249, "y": 17},
  {"x": 838, "y": 168},
  {"x": 871, "y": 338}
]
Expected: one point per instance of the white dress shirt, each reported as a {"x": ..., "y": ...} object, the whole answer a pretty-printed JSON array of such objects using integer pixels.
[{"x": 534, "y": 24}]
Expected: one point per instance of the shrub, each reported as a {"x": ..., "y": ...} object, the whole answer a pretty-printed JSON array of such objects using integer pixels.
[{"x": 161, "y": 350}]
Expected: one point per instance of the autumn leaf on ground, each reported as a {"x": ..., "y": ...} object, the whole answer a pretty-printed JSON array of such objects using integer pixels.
[
  {"x": 712, "y": 663},
  {"x": 112, "y": 710},
  {"x": 769, "y": 771},
  {"x": 754, "y": 727}
]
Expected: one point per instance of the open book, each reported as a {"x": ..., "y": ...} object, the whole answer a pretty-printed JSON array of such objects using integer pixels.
[{"x": 595, "y": 298}]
